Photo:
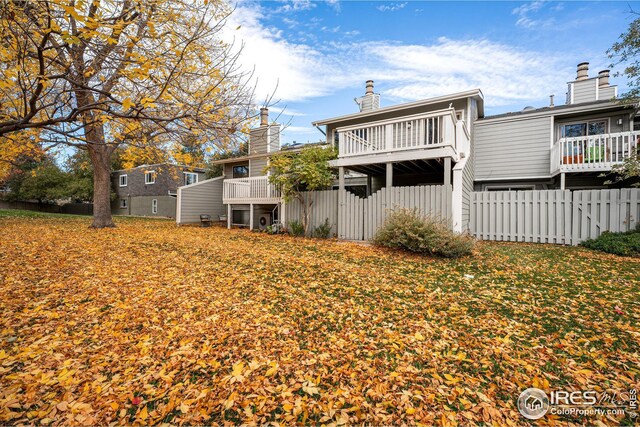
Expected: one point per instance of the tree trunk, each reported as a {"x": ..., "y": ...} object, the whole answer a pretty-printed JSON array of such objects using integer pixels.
[{"x": 101, "y": 159}]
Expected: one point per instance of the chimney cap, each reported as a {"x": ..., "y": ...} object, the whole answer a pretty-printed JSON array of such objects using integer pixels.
[
  {"x": 369, "y": 87},
  {"x": 603, "y": 72},
  {"x": 583, "y": 64}
]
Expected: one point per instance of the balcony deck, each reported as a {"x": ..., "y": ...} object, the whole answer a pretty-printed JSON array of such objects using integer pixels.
[
  {"x": 424, "y": 136},
  {"x": 595, "y": 153},
  {"x": 256, "y": 190}
]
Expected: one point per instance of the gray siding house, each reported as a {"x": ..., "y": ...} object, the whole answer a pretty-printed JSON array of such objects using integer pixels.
[
  {"x": 151, "y": 190},
  {"x": 444, "y": 142},
  {"x": 558, "y": 146}
]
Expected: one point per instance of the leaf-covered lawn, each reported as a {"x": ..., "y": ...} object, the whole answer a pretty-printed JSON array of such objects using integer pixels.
[{"x": 151, "y": 323}]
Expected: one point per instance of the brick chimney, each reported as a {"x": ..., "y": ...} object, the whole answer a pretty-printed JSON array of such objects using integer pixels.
[
  {"x": 583, "y": 71},
  {"x": 369, "y": 89},
  {"x": 264, "y": 116},
  {"x": 603, "y": 78}
]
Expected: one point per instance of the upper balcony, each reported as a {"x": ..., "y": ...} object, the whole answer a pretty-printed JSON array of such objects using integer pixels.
[
  {"x": 430, "y": 135},
  {"x": 250, "y": 190},
  {"x": 593, "y": 153}
]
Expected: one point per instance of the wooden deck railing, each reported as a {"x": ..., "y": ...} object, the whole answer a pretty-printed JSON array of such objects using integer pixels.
[
  {"x": 254, "y": 189},
  {"x": 435, "y": 129},
  {"x": 594, "y": 152}
]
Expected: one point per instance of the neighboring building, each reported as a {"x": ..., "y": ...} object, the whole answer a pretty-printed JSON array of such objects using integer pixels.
[
  {"x": 151, "y": 190},
  {"x": 243, "y": 196},
  {"x": 565, "y": 146}
]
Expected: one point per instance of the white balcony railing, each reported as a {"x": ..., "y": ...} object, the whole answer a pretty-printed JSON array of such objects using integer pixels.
[
  {"x": 430, "y": 130},
  {"x": 247, "y": 190},
  {"x": 593, "y": 153}
]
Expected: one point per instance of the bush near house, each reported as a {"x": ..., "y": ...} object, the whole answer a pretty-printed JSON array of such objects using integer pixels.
[
  {"x": 409, "y": 229},
  {"x": 624, "y": 244},
  {"x": 323, "y": 231},
  {"x": 296, "y": 228}
]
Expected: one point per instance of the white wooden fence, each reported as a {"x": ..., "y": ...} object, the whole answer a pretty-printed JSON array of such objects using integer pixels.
[
  {"x": 553, "y": 216},
  {"x": 353, "y": 218}
]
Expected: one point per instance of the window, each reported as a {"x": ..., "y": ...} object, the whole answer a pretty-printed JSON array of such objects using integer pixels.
[
  {"x": 123, "y": 180},
  {"x": 190, "y": 178},
  {"x": 150, "y": 177},
  {"x": 241, "y": 171},
  {"x": 154, "y": 206},
  {"x": 594, "y": 127},
  {"x": 123, "y": 203}
]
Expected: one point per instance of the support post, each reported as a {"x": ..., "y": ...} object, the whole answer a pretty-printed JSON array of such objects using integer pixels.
[
  {"x": 229, "y": 212},
  {"x": 562, "y": 181},
  {"x": 341, "y": 217},
  {"x": 251, "y": 216},
  {"x": 369, "y": 185},
  {"x": 282, "y": 214},
  {"x": 447, "y": 171},
  {"x": 389, "y": 181}
]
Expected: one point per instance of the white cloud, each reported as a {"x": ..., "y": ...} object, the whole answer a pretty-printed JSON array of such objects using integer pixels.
[
  {"x": 524, "y": 11},
  {"x": 330, "y": 29},
  {"x": 506, "y": 74},
  {"x": 295, "y": 6},
  {"x": 391, "y": 7},
  {"x": 285, "y": 111},
  {"x": 298, "y": 70},
  {"x": 528, "y": 7},
  {"x": 335, "y": 4}
]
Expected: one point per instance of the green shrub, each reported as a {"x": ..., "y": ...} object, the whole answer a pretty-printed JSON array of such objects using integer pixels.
[
  {"x": 624, "y": 244},
  {"x": 323, "y": 231},
  {"x": 296, "y": 228},
  {"x": 408, "y": 229}
]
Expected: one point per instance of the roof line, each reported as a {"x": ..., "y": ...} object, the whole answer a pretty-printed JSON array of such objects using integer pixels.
[
  {"x": 560, "y": 109},
  {"x": 397, "y": 107},
  {"x": 162, "y": 164},
  {"x": 262, "y": 155}
]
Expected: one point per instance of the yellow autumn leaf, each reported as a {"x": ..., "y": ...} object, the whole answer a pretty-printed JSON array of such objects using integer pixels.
[
  {"x": 143, "y": 413},
  {"x": 127, "y": 103},
  {"x": 272, "y": 371}
]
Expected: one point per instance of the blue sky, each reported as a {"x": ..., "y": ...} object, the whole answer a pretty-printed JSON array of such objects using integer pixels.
[{"x": 316, "y": 55}]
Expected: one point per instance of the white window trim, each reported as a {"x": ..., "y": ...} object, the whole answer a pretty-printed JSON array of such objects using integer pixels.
[
  {"x": 154, "y": 206},
  {"x": 190, "y": 173},
  {"x": 123, "y": 205},
  {"x": 248, "y": 166},
  {"x": 586, "y": 121},
  {"x": 126, "y": 180},
  {"x": 150, "y": 174}
]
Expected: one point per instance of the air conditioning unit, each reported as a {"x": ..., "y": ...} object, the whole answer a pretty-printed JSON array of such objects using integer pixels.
[{"x": 264, "y": 221}]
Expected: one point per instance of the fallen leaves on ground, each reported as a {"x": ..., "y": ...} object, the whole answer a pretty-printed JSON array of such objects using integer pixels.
[{"x": 151, "y": 323}]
